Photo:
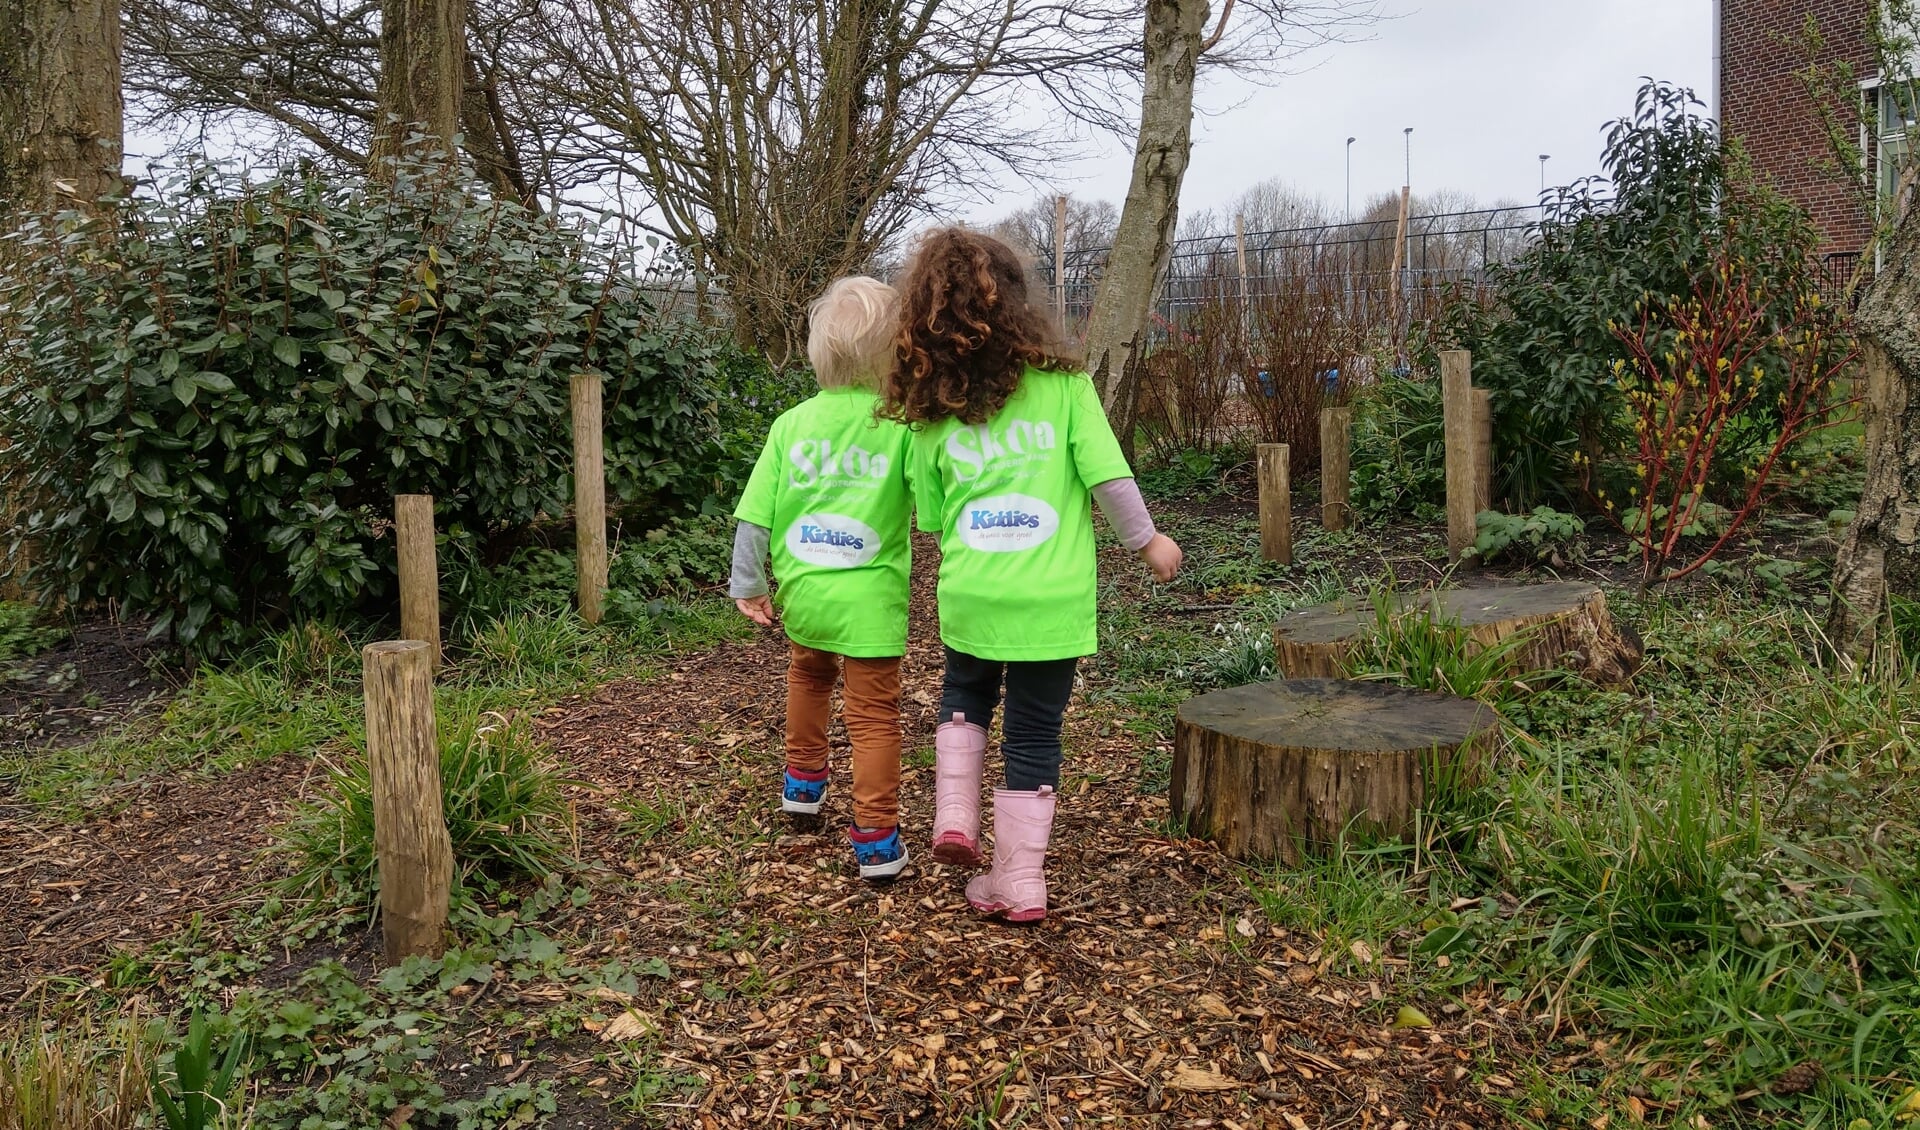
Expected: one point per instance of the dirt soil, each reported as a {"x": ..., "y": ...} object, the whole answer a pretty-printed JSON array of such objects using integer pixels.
[{"x": 100, "y": 675}]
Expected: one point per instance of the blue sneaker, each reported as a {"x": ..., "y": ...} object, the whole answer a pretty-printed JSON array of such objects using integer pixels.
[
  {"x": 880, "y": 853},
  {"x": 802, "y": 795}
]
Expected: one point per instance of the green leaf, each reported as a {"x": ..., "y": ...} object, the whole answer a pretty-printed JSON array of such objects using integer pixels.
[
  {"x": 287, "y": 351},
  {"x": 184, "y": 389},
  {"x": 212, "y": 381}
]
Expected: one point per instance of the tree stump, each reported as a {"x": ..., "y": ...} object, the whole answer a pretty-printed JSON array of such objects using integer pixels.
[
  {"x": 1269, "y": 770},
  {"x": 1566, "y": 622}
]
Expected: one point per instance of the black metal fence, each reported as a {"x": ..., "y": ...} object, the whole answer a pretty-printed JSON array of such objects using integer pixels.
[{"x": 1356, "y": 261}]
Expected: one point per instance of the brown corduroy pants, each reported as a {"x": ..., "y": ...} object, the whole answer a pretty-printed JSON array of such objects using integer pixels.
[{"x": 872, "y": 714}]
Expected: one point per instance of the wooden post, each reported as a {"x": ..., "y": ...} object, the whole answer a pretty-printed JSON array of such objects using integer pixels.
[
  {"x": 1399, "y": 248},
  {"x": 1336, "y": 431},
  {"x": 1060, "y": 258},
  {"x": 1456, "y": 399},
  {"x": 589, "y": 496},
  {"x": 409, "y": 827},
  {"x": 1276, "y": 504},
  {"x": 1240, "y": 257},
  {"x": 1482, "y": 450},
  {"x": 419, "y": 571}
]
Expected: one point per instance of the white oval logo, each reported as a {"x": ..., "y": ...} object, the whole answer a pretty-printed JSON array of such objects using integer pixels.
[
  {"x": 832, "y": 540},
  {"x": 1007, "y": 523}
]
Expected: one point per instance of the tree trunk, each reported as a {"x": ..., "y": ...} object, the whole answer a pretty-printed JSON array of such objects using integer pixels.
[
  {"x": 423, "y": 47},
  {"x": 1880, "y": 553},
  {"x": 487, "y": 137},
  {"x": 60, "y": 104},
  {"x": 1565, "y": 624},
  {"x": 1137, "y": 264},
  {"x": 1267, "y": 770}
]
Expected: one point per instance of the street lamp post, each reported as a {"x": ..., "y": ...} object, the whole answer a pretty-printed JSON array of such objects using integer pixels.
[
  {"x": 1408, "y": 133},
  {"x": 1348, "y": 179},
  {"x": 1543, "y": 172}
]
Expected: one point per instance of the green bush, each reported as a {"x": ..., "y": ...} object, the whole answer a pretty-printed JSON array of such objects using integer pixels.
[
  {"x": 504, "y": 812},
  {"x": 216, "y": 395},
  {"x": 1399, "y": 449},
  {"x": 1544, "y": 535},
  {"x": 1672, "y": 198}
]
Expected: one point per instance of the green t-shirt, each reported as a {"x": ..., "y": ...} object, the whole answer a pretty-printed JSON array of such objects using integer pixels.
[
  {"x": 1010, "y": 500},
  {"x": 831, "y": 486}
]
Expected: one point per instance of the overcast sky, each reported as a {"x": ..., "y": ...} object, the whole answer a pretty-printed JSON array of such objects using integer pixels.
[{"x": 1487, "y": 85}]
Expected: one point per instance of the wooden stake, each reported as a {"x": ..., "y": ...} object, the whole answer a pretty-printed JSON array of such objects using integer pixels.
[
  {"x": 1060, "y": 258},
  {"x": 419, "y": 571},
  {"x": 589, "y": 496},
  {"x": 1240, "y": 256},
  {"x": 410, "y": 839},
  {"x": 1400, "y": 247},
  {"x": 1276, "y": 504},
  {"x": 1336, "y": 430},
  {"x": 1482, "y": 450},
  {"x": 1456, "y": 399}
]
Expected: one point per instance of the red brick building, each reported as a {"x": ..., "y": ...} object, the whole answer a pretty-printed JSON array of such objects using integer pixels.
[{"x": 1758, "y": 47}]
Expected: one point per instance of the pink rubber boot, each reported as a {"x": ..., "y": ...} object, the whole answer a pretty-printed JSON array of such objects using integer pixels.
[
  {"x": 1017, "y": 885},
  {"x": 959, "y": 750}
]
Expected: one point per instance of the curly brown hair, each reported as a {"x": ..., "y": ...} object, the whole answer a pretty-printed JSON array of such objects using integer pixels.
[{"x": 967, "y": 331}]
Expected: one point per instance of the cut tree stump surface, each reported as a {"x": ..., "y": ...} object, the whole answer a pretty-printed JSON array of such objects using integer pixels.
[
  {"x": 1568, "y": 621},
  {"x": 1262, "y": 769}
]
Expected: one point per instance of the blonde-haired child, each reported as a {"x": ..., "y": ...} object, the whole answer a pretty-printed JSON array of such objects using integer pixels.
[{"x": 829, "y": 495}]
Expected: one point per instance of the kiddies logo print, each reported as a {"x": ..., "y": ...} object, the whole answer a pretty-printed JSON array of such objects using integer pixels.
[
  {"x": 834, "y": 541},
  {"x": 1007, "y": 523}
]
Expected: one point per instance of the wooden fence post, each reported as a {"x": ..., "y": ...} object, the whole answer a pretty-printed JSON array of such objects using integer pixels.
[
  {"x": 409, "y": 826},
  {"x": 1060, "y": 259},
  {"x": 1240, "y": 257},
  {"x": 1482, "y": 450},
  {"x": 1276, "y": 504},
  {"x": 1456, "y": 399},
  {"x": 1336, "y": 433},
  {"x": 419, "y": 571},
  {"x": 589, "y": 496}
]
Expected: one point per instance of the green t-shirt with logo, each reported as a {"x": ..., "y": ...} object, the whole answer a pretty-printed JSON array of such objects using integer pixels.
[
  {"x": 831, "y": 486},
  {"x": 1010, "y": 499}
]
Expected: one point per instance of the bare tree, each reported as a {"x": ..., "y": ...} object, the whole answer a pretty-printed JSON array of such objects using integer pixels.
[
  {"x": 304, "y": 76},
  {"x": 1175, "y": 42},
  {"x": 60, "y": 101},
  {"x": 1090, "y": 225}
]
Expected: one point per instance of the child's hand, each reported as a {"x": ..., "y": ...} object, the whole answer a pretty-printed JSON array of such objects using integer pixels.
[
  {"x": 758, "y": 609},
  {"x": 1163, "y": 556}
]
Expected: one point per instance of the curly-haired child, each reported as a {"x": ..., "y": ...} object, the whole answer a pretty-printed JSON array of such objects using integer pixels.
[
  {"x": 831, "y": 483},
  {"x": 1009, "y": 443}
]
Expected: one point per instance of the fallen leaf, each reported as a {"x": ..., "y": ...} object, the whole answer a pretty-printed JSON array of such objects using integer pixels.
[
  {"x": 1411, "y": 1017},
  {"x": 1213, "y": 1006},
  {"x": 1362, "y": 953},
  {"x": 1186, "y": 1078}
]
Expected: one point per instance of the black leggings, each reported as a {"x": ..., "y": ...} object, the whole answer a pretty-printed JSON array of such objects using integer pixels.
[{"x": 1037, "y": 693}]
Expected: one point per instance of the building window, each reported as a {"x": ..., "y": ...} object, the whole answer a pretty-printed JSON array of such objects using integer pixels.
[{"x": 1896, "y": 106}]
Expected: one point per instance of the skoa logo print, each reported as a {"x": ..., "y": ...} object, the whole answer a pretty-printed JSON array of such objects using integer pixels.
[
  {"x": 834, "y": 541},
  {"x": 1007, "y": 523}
]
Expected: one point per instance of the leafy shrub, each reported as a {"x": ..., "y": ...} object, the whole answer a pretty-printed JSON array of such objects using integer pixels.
[
  {"x": 1697, "y": 376},
  {"x": 1399, "y": 457},
  {"x": 504, "y": 811},
  {"x": 215, "y": 397},
  {"x": 1544, "y": 535},
  {"x": 1672, "y": 197},
  {"x": 674, "y": 558},
  {"x": 21, "y": 635},
  {"x": 201, "y": 1093}
]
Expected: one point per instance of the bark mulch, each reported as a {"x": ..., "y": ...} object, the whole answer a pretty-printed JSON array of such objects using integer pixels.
[{"x": 1154, "y": 992}]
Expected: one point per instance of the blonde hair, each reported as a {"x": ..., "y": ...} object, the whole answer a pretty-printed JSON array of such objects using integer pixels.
[{"x": 850, "y": 332}]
